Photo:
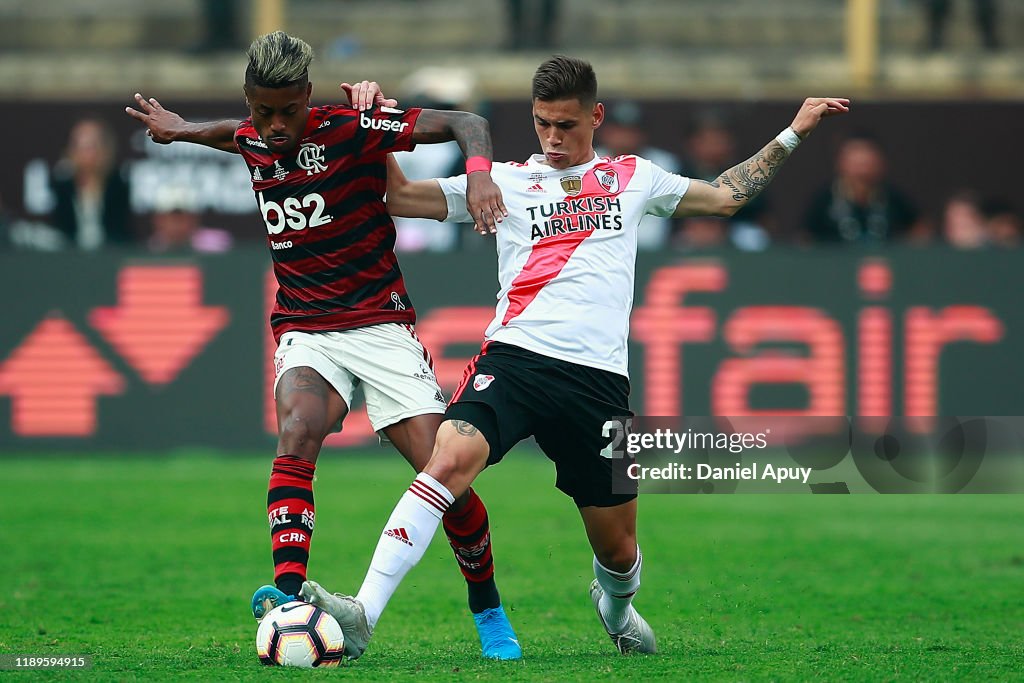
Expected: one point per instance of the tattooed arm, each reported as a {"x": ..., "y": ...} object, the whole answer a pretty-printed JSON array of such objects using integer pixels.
[
  {"x": 469, "y": 130},
  {"x": 732, "y": 190},
  {"x": 483, "y": 198}
]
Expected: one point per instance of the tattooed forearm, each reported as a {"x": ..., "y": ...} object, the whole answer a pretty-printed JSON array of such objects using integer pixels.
[
  {"x": 469, "y": 130},
  {"x": 746, "y": 180},
  {"x": 464, "y": 428}
]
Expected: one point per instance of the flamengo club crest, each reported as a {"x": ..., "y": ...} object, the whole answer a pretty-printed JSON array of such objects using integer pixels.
[
  {"x": 609, "y": 180},
  {"x": 572, "y": 184},
  {"x": 311, "y": 158},
  {"x": 481, "y": 382}
]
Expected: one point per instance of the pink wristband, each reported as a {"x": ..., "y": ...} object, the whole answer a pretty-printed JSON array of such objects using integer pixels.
[{"x": 474, "y": 164}]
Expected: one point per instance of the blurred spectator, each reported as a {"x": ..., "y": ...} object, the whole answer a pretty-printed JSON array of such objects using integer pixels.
[
  {"x": 1005, "y": 224},
  {"x": 533, "y": 24},
  {"x": 985, "y": 17},
  {"x": 860, "y": 205},
  {"x": 623, "y": 133},
  {"x": 434, "y": 88},
  {"x": 963, "y": 223},
  {"x": 176, "y": 227},
  {"x": 711, "y": 150},
  {"x": 91, "y": 196}
]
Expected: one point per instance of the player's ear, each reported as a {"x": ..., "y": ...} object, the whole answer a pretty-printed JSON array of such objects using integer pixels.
[
  {"x": 309, "y": 91},
  {"x": 598, "y": 114}
]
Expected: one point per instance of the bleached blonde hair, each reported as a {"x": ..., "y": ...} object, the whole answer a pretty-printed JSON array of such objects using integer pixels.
[{"x": 277, "y": 60}]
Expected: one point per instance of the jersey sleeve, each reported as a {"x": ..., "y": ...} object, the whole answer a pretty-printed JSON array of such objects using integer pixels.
[
  {"x": 253, "y": 150},
  {"x": 454, "y": 189},
  {"x": 389, "y": 130},
  {"x": 666, "y": 191}
]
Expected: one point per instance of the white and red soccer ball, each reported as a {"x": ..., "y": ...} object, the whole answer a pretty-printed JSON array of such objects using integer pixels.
[{"x": 299, "y": 634}]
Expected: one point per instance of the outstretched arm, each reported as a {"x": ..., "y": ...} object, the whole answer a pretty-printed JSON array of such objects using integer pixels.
[
  {"x": 483, "y": 198},
  {"x": 732, "y": 190},
  {"x": 414, "y": 198},
  {"x": 164, "y": 126}
]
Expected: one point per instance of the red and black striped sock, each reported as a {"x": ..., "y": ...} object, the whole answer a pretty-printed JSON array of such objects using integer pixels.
[
  {"x": 292, "y": 516},
  {"x": 470, "y": 537}
]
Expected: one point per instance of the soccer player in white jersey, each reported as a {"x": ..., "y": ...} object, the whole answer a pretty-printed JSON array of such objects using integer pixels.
[{"x": 553, "y": 363}]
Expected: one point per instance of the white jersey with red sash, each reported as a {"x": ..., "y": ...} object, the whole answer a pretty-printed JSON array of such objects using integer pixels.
[{"x": 567, "y": 252}]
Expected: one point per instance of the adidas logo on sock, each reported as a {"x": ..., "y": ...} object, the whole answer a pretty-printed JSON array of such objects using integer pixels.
[{"x": 399, "y": 534}]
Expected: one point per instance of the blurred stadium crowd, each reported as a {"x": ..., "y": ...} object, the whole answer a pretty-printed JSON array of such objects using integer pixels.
[{"x": 79, "y": 193}]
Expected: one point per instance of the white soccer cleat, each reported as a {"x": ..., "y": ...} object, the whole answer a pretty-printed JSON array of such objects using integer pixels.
[
  {"x": 347, "y": 611},
  {"x": 638, "y": 635}
]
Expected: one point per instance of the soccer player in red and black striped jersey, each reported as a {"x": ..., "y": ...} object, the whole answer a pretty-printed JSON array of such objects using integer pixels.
[{"x": 343, "y": 317}]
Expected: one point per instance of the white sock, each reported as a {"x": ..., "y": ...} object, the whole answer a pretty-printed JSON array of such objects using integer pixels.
[
  {"x": 619, "y": 590},
  {"x": 402, "y": 543}
]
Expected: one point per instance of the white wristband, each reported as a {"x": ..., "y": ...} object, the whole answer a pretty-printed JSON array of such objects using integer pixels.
[{"x": 788, "y": 139}]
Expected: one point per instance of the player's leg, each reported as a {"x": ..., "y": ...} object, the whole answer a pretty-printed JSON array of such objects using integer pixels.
[
  {"x": 465, "y": 524},
  {"x": 617, "y": 565},
  {"x": 477, "y": 431},
  {"x": 576, "y": 442},
  {"x": 609, "y": 518},
  {"x": 460, "y": 454},
  {"x": 405, "y": 402},
  {"x": 309, "y": 407}
]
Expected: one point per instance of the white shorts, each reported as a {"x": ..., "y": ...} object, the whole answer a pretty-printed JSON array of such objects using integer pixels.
[{"x": 387, "y": 359}]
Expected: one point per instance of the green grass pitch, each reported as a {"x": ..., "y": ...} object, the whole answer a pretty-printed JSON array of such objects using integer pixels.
[{"x": 147, "y": 563}]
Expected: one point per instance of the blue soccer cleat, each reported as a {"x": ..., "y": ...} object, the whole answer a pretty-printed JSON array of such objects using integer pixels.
[
  {"x": 497, "y": 639},
  {"x": 267, "y": 598}
]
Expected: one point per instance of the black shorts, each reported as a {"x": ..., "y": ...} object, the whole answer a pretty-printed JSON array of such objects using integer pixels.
[{"x": 509, "y": 394}]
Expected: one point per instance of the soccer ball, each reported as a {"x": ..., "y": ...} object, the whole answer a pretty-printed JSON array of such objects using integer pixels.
[{"x": 299, "y": 634}]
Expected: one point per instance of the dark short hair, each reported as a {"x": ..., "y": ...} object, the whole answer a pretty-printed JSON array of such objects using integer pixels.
[{"x": 564, "y": 78}]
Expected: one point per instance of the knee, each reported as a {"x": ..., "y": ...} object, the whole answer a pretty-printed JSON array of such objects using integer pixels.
[
  {"x": 446, "y": 464},
  {"x": 299, "y": 433},
  {"x": 457, "y": 458},
  {"x": 618, "y": 557}
]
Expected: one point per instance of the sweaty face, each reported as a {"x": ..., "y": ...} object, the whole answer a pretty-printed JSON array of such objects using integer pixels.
[
  {"x": 279, "y": 114},
  {"x": 565, "y": 129}
]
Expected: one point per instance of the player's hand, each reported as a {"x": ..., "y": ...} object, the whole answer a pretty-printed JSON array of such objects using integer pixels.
[
  {"x": 162, "y": 125},
  {"x": 814, "y": 109},
  {"x": 366, "y": 94},
  {"x": 485, "y": 203}
]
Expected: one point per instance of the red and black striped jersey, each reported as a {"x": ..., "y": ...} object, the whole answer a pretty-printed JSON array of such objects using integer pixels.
[{"x": 330, "y": 236}]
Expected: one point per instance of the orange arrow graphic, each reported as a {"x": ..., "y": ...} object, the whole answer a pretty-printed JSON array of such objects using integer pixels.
[
  {"x": 54, "y": 378},
  {"x": 159, "y": 324}
]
